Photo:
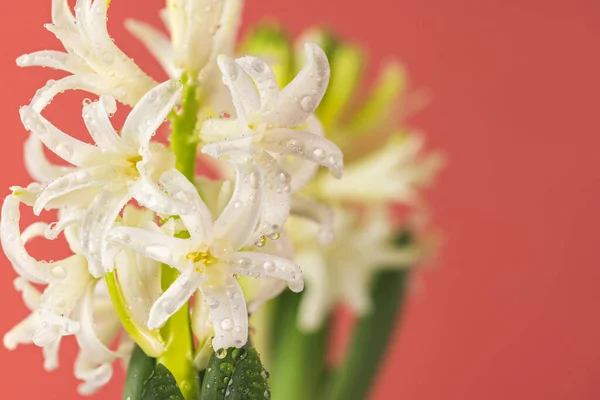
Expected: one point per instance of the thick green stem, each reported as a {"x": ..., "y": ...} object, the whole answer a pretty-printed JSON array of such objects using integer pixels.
[
  {"x": 370, "y": 339},
  {"x": 149, "y": 340},
  {"x": 298, "y": 361},
  {"x": 184, "y": 139},
  {"x": 179, "y": 354}
]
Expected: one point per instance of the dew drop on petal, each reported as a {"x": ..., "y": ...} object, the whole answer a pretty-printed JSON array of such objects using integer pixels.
[
  {"x": 269, "y": 266},
  {"x": 226, "y": 324},
  {"x": 319, "y": 153},
  {"x": 294, "y": 146},
  {"x": 307, "y": 104},
  {"x": 262, "y": 240}
]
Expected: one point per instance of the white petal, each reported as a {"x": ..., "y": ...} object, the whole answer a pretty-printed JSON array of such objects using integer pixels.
[
  {"x": 238, "y": 220},
  {"x": 91, "y": 345},
  {"x": 226, "y": 35},
  {"x": 243, "y": 92},
  {"x": 96, "y": 118},
  {"x": 30, "y": 295},
  {"x": 69, "y": 184},
  {"x": 148, "y": 194},
  {"x": 317, "y": 212},
  {"x": 56, "y": 60},
  {"x": 93, "y": 376},
  {"x": 264, "y": 79},
  {"x": 260, "y": 265},
  {"x": 68, "y": 218},
  {"x": 202, "y": 23},
  {"x": 27, "y": 195},
  {"x": 227, "y": 312},
  {"x": 139, "y": 278},
  {"x": 276, "y": 208},
  {"x": 217, "y": 129},
  {"x": 92, "y": 83},
  {"x": 236, "y": 147},
  {"x": 62, "y": 15},
  {"x": 157, "y": 43},
  {"x": 299, "y": 99},
  {"x": 96, "y": 223},
  {"x": 199, "y": 222},
  {"x": 175, "y": 296},
  {"x": 263, "y": 290},
  {"x": 317, "y": 297},
  {"x": 66, "y": 147},
  {"x": 50, "y": 353},
  {"x": 13, "y": 245},
  {"x": 160, "y": 247},
  {"x": 36, "y": 163},
  {"x": 305, "y": 145},
  {"x": 22, "y": 333},
  {"x": 149, "y": 113}
]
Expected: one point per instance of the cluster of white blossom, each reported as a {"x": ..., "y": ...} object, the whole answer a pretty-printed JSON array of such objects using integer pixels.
[{"x": 227, "y": 238}]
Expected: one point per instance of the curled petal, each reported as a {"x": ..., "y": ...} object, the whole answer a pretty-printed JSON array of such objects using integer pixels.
[
  {"x": 22, "y": 333},
  {"x": 276, "y": 208},
  {"x": 99, "y": 218},
  {"x": 158, "y": 246},
  {"x": 56, "y": 60},
  {"x": 13, "y": 245},
  {"x": 27, "y": 195},
  {"x": 68, "y": 218},
  {"x": 299, "y": 99},
  {"x": 92, "y": 83},
  {"x": 36, "y": 163},
  {"x": 227, "y": 312},
  {"x": 199, "y": 222},
  {"x": 307, "y": 146},
  {"x": 238, "y": 220},
  {"x": 150, "y": 112},
  {"x": 243, "y": 92},
  {"x": 260, "y": 265},
  {"x": 148, "y": 194},
  {"x": 242, "y": 145},
  {"x": 320, "y": 213},
  {"x": 70, "y": 184},
  {"x": 30, "y": 295},
  {"x": 96, "y": 118},
  {"x": 66, "y": 147},
  {"x": 175, "y": 296},
  {"x": 62, "y": 15},
  {"x": 157, "y": 43},
  {"x": 264, "y": 79}
]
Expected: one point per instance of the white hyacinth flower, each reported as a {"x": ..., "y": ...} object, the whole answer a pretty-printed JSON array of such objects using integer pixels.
[
  {"x": 105, "y": 176},
  {"x": 97, "y": 65},
  {"x": 66, "y": 306},
  {"x": 199, "y": 31},
  {"x": 263, "y": 128},
  {"x": 342, "y": 271},
  {"x": 395, "y": 172},
  {"x": 211, "y": 257}
]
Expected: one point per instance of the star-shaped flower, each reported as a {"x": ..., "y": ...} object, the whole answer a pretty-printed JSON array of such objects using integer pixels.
[
  {"x": 211, "y": 257},
  {"x": 95, "y": 63},
  {"x": 265, "y": 128},
  {"x": 105, "y": 176}
]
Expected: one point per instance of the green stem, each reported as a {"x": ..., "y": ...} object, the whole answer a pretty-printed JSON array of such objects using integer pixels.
[
  {"x": 179, "y": 354},
  {"x": 298, "y": 361},
  {"x": 149, "y": 340},
  {"x": 184, "y": 140},
  {"x": 370, "y": 339}
]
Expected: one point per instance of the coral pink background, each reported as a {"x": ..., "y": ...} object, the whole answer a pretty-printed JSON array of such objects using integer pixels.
[{"x": 511, "y": 309}]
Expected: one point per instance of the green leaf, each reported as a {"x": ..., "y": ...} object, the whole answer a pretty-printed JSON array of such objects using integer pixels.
[
  {"x": 371, "y": 336},
  {"x": 235, "y": 374},
  {"x": 298, "y": 365},
  {"x": 162, "y": 386},
  {"x": 140, "y": 368}
]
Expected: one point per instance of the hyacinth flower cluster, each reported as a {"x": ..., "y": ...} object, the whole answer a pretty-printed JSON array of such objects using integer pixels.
[{"x": 187, "y": 273}]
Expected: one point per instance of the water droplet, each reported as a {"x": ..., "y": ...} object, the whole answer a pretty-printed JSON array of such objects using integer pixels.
[
  {"x": 319, "y": 153},
  {"x": 269, "y": 266},
  {"x": 169, "y": 307},
  {"x": 258, "y": 66},
  {"x": 59, "y": 272},
  {"x": 64, "y": 150},
  {"x": 221, "y": 354},
  {"x": 237, "y": 204},
  {"x": 225, "y": 367},
  {"x": 244, "y": 262},
  {"x": 226, "y": 324},
  {"x": 262, "y": 240},
  {"x": 307, "y": 104},
  {"x": 276, "y": 235},
  {"x": 212, "y": 304},
  {"x": 284, "y": 177},
  {"x": 294, "y": 146},
  {"x": 254, "y": 180},
  {"x": 11, "y": 236},
  {"x": 264, "y": 374},
  {"x": 267, "y": 393},
  {"x": 238, "y": 343},
  {"x": 108, "y": 57},
  {"x": 86, "y": 102},
  {"x": 225, "y": 115}
]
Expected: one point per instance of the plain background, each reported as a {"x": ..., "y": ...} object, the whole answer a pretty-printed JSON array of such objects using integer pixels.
[{"x": 511, "y": 309}]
